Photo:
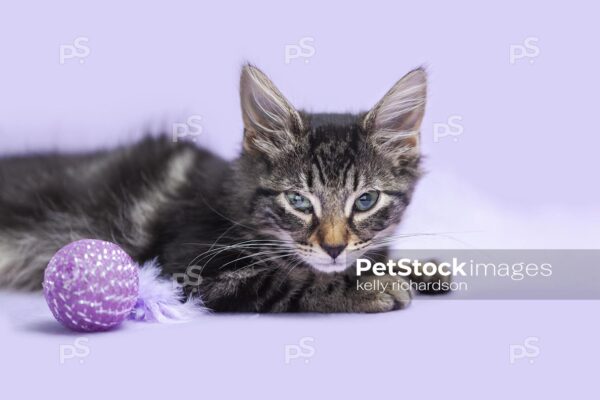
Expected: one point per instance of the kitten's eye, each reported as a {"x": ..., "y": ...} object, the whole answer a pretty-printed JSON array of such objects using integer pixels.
[
  {"x": 366, "y": 201},
  {"x": 299, "y": 202}
]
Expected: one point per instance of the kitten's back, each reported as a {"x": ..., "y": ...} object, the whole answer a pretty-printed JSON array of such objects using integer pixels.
[{"x": 49, "y": 200}]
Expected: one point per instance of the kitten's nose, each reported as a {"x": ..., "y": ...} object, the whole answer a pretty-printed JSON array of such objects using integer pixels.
[{"x": 333, "y": 251}]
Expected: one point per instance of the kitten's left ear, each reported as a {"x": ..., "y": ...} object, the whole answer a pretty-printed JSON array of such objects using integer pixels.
[
  {"x": 393, "y": 124},
  {"x": 271, "y": 123}
]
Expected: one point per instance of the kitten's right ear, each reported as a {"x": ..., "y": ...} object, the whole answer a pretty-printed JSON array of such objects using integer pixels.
[
  {"x": 395, "y": 121},
  {"x": 271, "y": 123}
]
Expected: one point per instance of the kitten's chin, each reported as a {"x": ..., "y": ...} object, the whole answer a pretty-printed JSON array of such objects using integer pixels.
[
  {"x": 329, "y": 267},
  {"x": 326, "y": 264}
]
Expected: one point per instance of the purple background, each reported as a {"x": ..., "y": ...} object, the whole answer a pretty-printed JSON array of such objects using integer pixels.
[
  {"x": 522, "y": 174},
  {"x": 530, "y": 132}
]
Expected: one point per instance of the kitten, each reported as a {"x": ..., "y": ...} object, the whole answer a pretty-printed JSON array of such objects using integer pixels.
[{"x": 276, "y": 230}]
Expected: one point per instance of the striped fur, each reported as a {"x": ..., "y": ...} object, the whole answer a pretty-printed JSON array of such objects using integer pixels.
[{"x": 226, "y": 230}]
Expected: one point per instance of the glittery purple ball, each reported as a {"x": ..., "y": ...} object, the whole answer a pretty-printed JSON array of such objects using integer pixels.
[{"x": 91, "y": 285}]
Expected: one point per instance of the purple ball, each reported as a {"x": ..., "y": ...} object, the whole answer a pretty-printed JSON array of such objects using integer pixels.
[{"x": 91, "y": 285}]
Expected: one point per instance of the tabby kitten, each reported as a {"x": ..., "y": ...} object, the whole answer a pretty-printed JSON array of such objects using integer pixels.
[{"x": 276, "y": 230}]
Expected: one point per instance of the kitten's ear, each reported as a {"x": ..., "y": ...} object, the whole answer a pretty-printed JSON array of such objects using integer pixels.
[
  {"x": 394, "y": 123},
  {"x": 271, "y": 123}
]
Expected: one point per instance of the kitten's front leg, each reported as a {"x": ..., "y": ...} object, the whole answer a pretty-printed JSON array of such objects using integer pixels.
[
  {"x": 303, "y": 290},
  {"x": 433, "y": 284}
]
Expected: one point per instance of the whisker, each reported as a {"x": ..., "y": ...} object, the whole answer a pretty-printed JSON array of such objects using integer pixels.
[
  {"x": 257, "y": 254},
  {"x": 245, "y": 244},
  {"x": 297, "y": 263},
  {"x": 270, "y": 259}
]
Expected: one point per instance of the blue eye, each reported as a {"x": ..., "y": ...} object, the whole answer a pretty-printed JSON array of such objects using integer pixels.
[
  {"x": 366, "y": 201},
  {"x": 299, "y": 202}
]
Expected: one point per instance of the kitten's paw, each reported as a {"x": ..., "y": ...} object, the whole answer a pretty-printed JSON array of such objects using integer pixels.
[
  {"x": 381, "y": 294},
  {"x": 432, "y": 285}
]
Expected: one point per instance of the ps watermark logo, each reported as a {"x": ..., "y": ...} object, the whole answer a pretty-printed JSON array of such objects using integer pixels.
[
  {"x": 305, "y": 349},
  {"x": 79, "y": 349},
  {"x": 79, "y": 49},
  {"x": 189, "y": 280},
  {"x": 303, "y": 49},
  {"x": 529, "y": 49},
  {"x": 452, "y": 127},
  {"x": 190, "y": 130},
  {"x": 529, "y": 350}
]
